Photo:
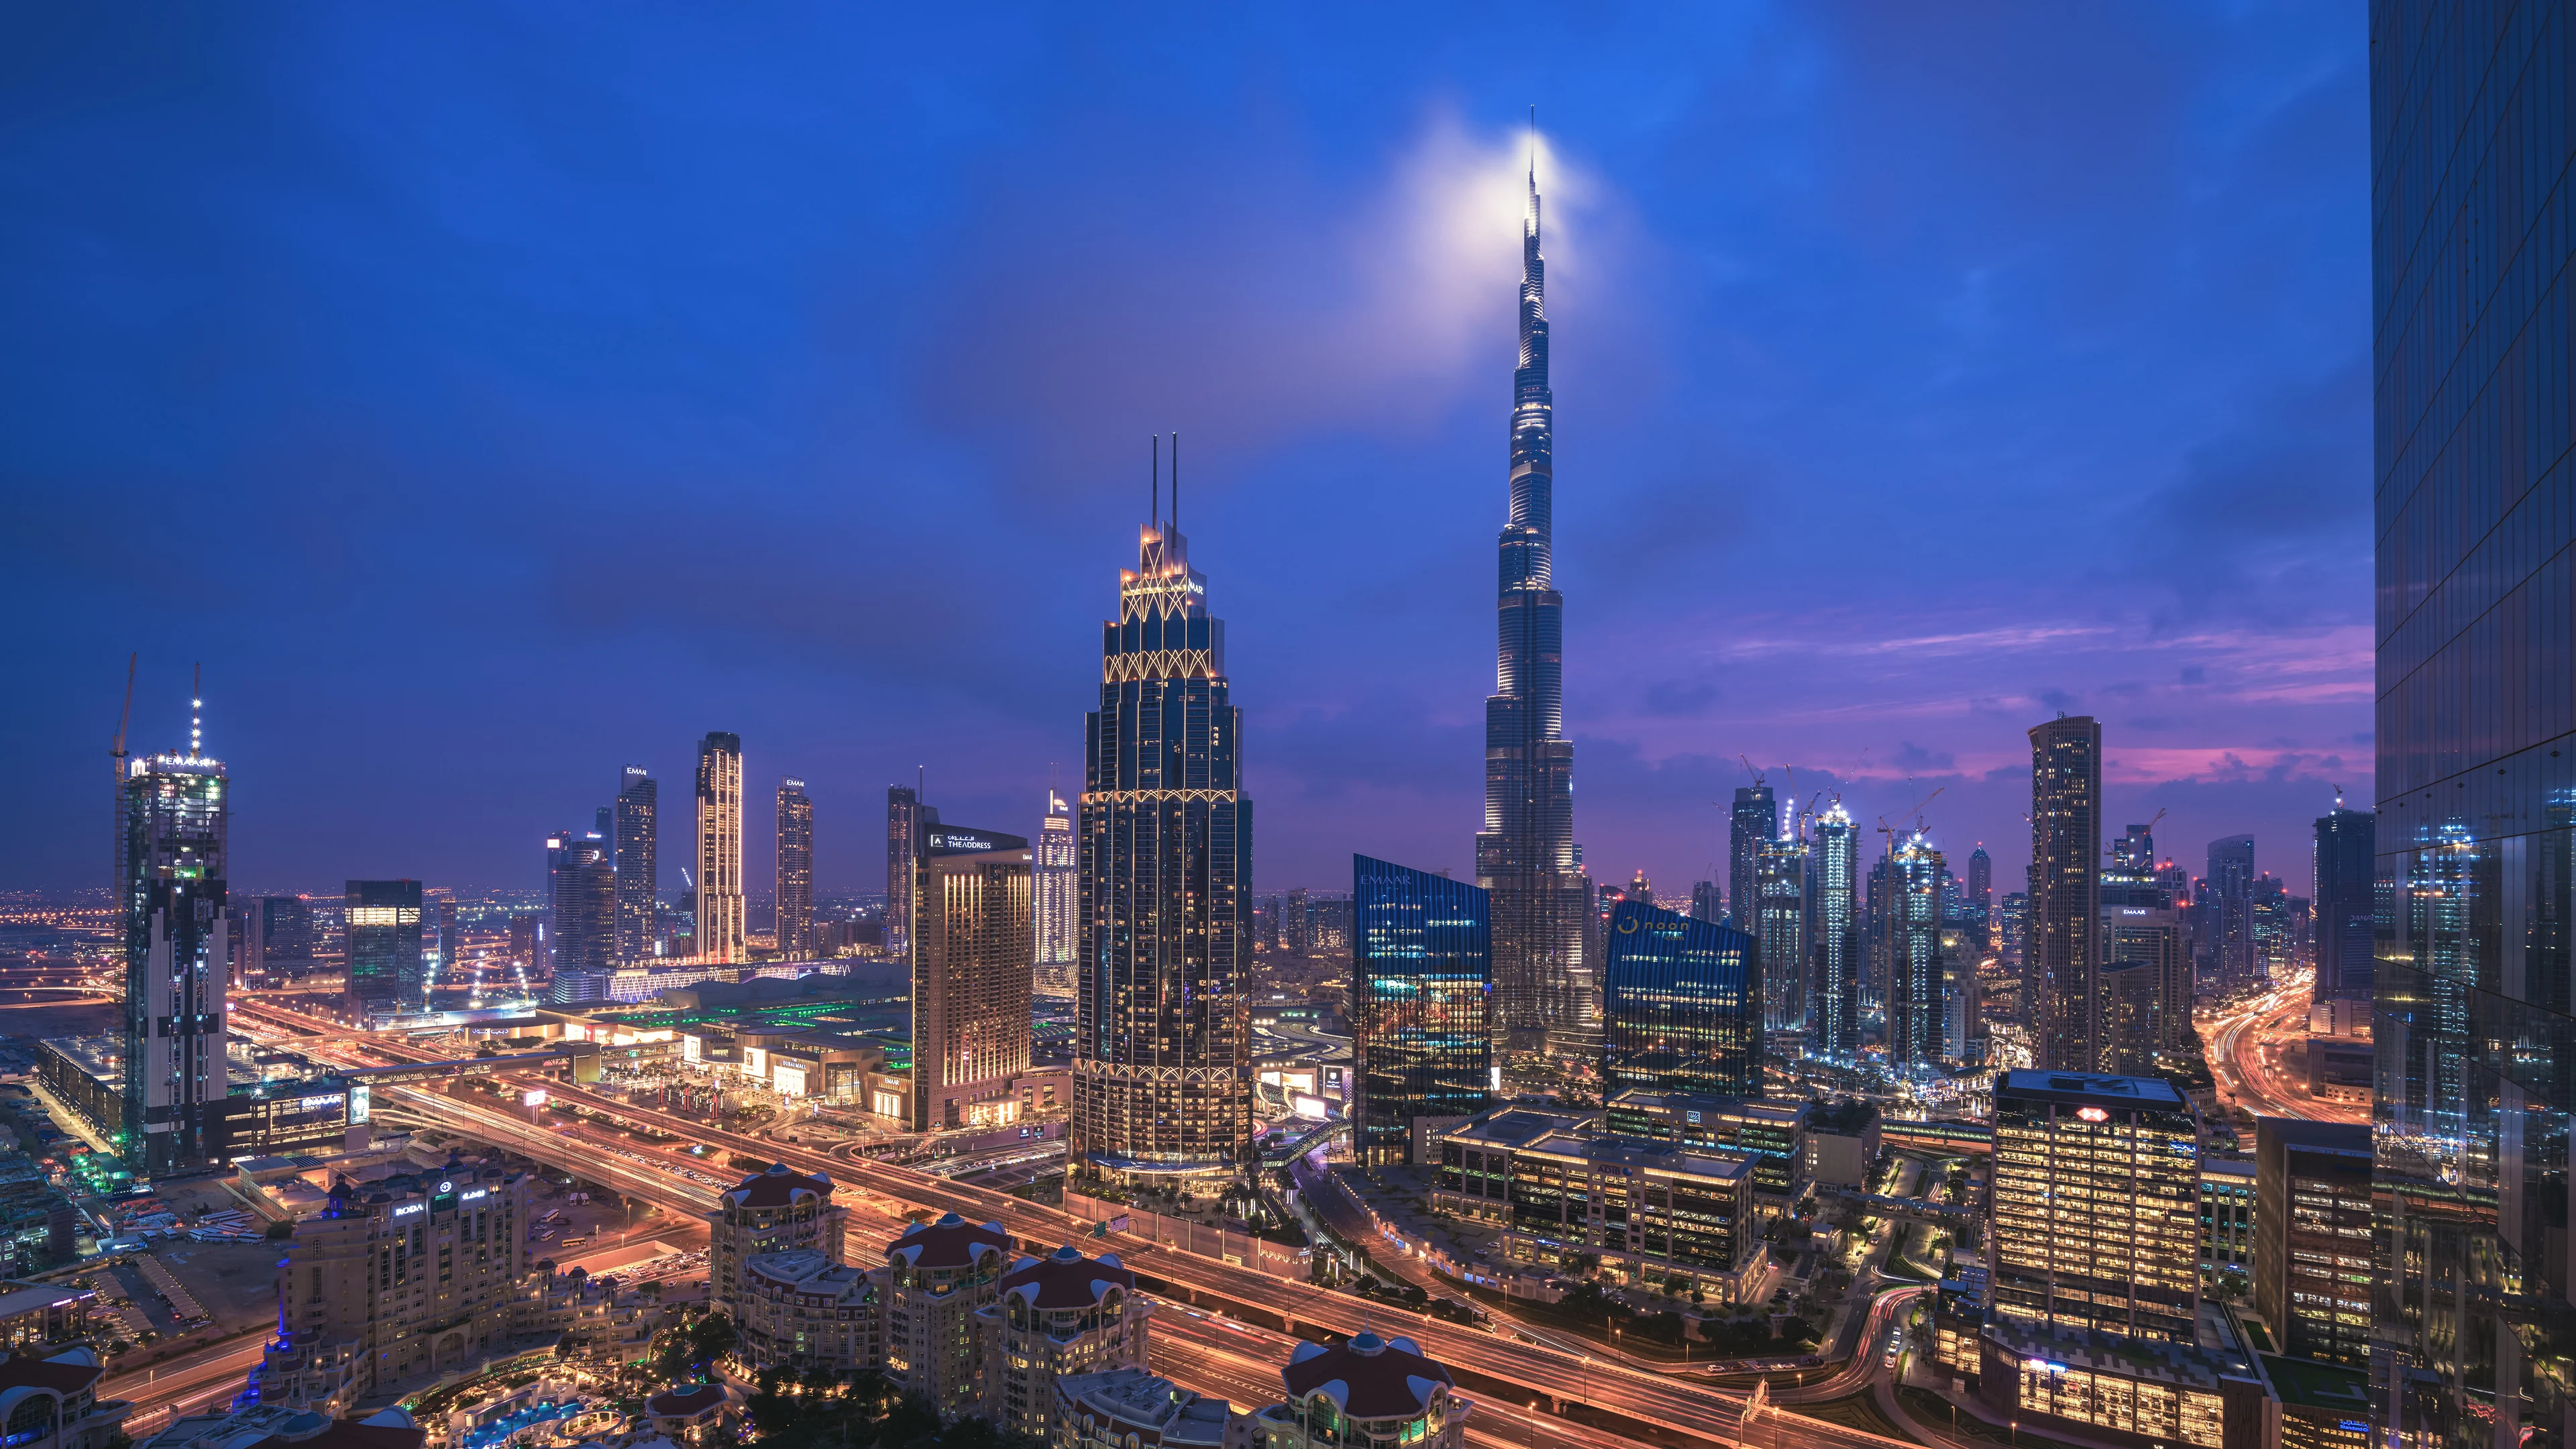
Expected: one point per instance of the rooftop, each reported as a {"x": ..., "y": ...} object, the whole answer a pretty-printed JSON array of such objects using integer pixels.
[
  {"x": 1066, "y": 1279},
  {"x": 1368, "y": 1377},
  {"x": 2090, "y": 1088},
  {"x": 777, "y": 1186},
  {"x": 2312, "y": 1385},
  {"x": 951, "y": 1242}
]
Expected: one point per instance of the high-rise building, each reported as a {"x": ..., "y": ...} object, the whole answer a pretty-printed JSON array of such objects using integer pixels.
[
  {"x": 2064, "y": 950},
  {"x": 439, "y": 939},
  {"x": 1298, "y": 926},
  {"x": 581, "y": 884},
  {"x": 1162, "y": 1071},
  {"x": 1421, "y": 981},
  {"x": 2345, "y": 868},
  {"x": 1918, "y": 991},
  {"x": 2311, "y": 1234},
  {"x": 2012, "y": 926},
  {"x": 1834, "y": 966},
  {"x": 1780, "y": 929},
  {"x": 385, "y": 959},
  {"x": 1981, "y": 878},
  {"x": 2229, "y": 907},
  {"x": 971, "y": 945},
  {"x": 906, "y": 817},
  {"x": 1706, "y": 905},
  {"x": 775, "y": 1211},
  {"x": 1059, "y": 879},
  {"x": 528, "y": 941},
  {"x": 174, "y": 831},
  {"x": 2132, "y": 1016},
  {"x": 719, "y": 879},
  {"x": 1055, "y": 1318},
  {"x": 1681, "y": 1005},
  {"x": 1754, "y": 819},
  {"x": 2095, "y": 1215},
  {"x": 795, "y": 870},
  {"x": 1525, "y": 855},
  {"x": 286, "y": 934},
  {"x": 2151, "y": 935},
  {"x": 639, "y": 874}
]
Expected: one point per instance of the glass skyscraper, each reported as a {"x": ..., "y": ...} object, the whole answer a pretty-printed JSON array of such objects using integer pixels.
[
  {"x": 1755, "y": 818},
  {"x": 385, "y": 958},
  {"x": 1917, "y": 993},
  {"x": 1525, "y": 855},
  {"x": 905, "y": 817},
  {"x": 2064, "y": 950},
  {"x": 2228, "y": 912},
  {"x": 1779, "y": 926},
  {"x": 2471, "y": 145},
  {"x": 1058, "y": 877},
  {"x": 1421, "y": 983},
  {"x": 639, "y": 874},
  {"x": 2344, "y": 869},
  {"x": 719, "y": 882},
  {"x": 1833, "y": 973},
  {"x": 1162, "y": 1076},
  {"x": 581, "y": 885},
  {"x": 795, "y": 870},
  {"x": 174, "y": 832},
  {"x": 1681, "y": 1005}
]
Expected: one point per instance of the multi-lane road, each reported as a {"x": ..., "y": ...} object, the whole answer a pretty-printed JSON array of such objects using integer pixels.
[{"x": 2245, "y": 1044}]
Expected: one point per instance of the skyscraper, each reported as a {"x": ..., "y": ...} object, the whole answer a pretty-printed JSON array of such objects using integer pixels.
[
  {"x": 1755, "y": 819},
  {"x": 1421, "y": 979},
  {"x": 1058, "y": 880},
  {"x": 905, "y": 818},
  {"x": 795, "y": 870},
  {"x": 1162, "y": 1073},
  {"x": 2095, "y": 1210},
  {"x": 1981, "y": 878},
  {"x": 1525, "y": 855},
  {"x": 1706, "y": 905},
  {"x": 1681, "y": 1006},
  {"x": 286, "y": 935},
  {"x": 639, "y": 872},
  {"x": 581, "y": 887},
  {"x": 1833, "y": 973},
  {"x": 1780, "y": 929},
  {"x": 385, "y": 957},
  {"x": 2312, "y": 1236},
  {"x": 174, "y": 829},
  {"x": 2064, "y": 947},
  {"x": 1918, "y": 992},
  {"x": 972, "y": 941},
  {"x": 2345, "y": 872},
  {"x": 719, "y": 881},
  {"x": 2470, "y": 159},
  {"x": 2233, "y": 956}
]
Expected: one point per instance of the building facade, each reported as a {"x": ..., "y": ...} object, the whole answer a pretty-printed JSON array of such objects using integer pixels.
[
  {"x": 2063, "y": 953},
  {"x": 795, "y": 931},
  {"x": 906, "y": 817},
  {"x": 387, "y": 968},
  {"x": 1055, "y": 1318},
  {"x": 1525, "y": 855},
  {"x": 801, "y": 1309},
  {"x": 1681, "y": 1005},
  {"x": 1834, "y": 968},
  {"x": 581, "y": 882},
  {"x": 719, "y": 879},
  {"x": 2228, "y": 913},
  {"x": 1365, "y": 1391},
  {"x": 1918, "y": 990},
  {"x": 941, "y": 1277},
  {"x": 1421, "y": 986},
  {"x": 972, "y": 940},
  {"x": 174, "y": 834},
  {"x": 778, "y": 1210},
  {"x": 1753, "y": 819},
  {"x": 639, "y": 872},
  {"x": 2344, "y": 872},
  {"x": 2312, "y": 1246},
  {"x": 1781, "y": 921},
  {"x": 2094, "y": 1220},
  {"x": 2132, "y": 1016},
  {"x": 2154, "y": 935},
  {"x": 1059, "y": 880},
  {"x": 1162, "y": 1072}
]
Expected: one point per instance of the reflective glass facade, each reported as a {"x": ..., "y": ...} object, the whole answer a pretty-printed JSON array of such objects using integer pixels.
[
  {"x": 174, "y": 833},
  {"x": 1780, "y": 887},
  {"x": 1917, "y": 988},
  {"x": 1681, "y": 1005},
  {"x": 1421, "y": 983},
  {"x": 1833, "y": 973},
  {"x": 2345, "y": 867},
  {"x": 2474, "y": 508},
  {"x": 1162, "y": 1072},
  {"x": 795, "y": 871},
  {"x": 2062, "y": 952},
  {"x": 385, "y": 968},
  {"x": 639, "y": 874}
]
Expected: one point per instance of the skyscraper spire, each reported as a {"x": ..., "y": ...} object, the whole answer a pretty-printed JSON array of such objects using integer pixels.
[{"x": 1525, "y": 854}]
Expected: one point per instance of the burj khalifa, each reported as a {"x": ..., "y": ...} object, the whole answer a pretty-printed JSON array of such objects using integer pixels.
[{"x": 1545, "y": 999}]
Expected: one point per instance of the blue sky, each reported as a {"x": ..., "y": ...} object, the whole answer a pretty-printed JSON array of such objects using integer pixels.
[{"x": 492, "y": 396}]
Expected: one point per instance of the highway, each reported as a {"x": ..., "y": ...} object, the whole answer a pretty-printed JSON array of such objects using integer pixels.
[
  {"x": 2242, "y": 1045},
  {"x": 193, "y": 1383}
]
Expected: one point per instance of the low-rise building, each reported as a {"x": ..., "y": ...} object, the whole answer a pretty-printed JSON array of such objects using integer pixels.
[
  {"x": 693, "y": 1414},
  {"x": 52, "y": 1403},
  {"x": 1369, "y": 1391},
  {"x": 1128, "y": 1408},
  {"x": 1842, "y": 1144},
  {"x": 2157, "y": 1391},
  {"x": 1054, "y": 1317},
  {"x": 1773, "y": 1133},
  {"x": 941, "y": 1274},
  {"x": 275, "y": 1426},
  {"x": 802, "y": 1308},
  {"x": 778, "y": 1210}
]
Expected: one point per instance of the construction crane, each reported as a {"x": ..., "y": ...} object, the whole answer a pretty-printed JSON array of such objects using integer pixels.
[{"x": 1915, "y": 810}]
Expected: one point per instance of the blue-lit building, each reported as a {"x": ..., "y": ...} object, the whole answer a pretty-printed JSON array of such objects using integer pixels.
[
  {"x": 174, "y": 820},
  {"x": 1422, "y": 958},
  {"x": 2472, "y": 1340},
  {"x": 1681, "y": 1005}
]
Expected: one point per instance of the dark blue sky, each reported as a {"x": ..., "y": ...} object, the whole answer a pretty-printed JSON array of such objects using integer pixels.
[{"x": 491, "y": 397}]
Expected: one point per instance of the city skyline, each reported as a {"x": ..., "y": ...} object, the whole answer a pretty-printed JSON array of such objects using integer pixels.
[{"x": 1708, "y": 431}]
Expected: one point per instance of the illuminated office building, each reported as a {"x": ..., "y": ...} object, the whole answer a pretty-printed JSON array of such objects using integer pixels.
[
  {"x": 2094, "y": 1223},
  {"x": 719, "y": 879},
  {"x": 905, "y": 817},
  {"x": 639, "y": 876},
  {"x": 1421, "y": 981},
  {"x": 385, "y": 958},
  {"x": 1681, "y": 1005},
  {"x": 581, "y": 883},
  {"x": 1834, "y": 965},
  {"x": 1162, "y": 1072},
  {"x": 2152, "y": 935},
  {"x": 795, "y": 870},
  {"x": 2312, "y": 1250},
  {"x": 1526, "y": 854},
  {"x": 286, "y": 934},
  {"x": 1754, "y": 820},
  {"x": 2132, "y": 1016},
  {"x": 972, "y": 939},
  {"x": 2063, "y": 950},
  {"x": 2345, "y": 870},
  {"x": 1780, "y": 929},
  {"x": 1919, "y": 988},
  {"x": 2228, "y": 911},
  {"x": 1059, "y": 878},
  {"x": 174, "y": 824}
]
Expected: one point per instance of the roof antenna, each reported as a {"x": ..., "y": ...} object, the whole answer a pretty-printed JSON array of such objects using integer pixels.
[
  {"x": 196, "y": 712},
  {"x": 1176, "y": 481},
  {"x": 1154, "y": 510}
]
